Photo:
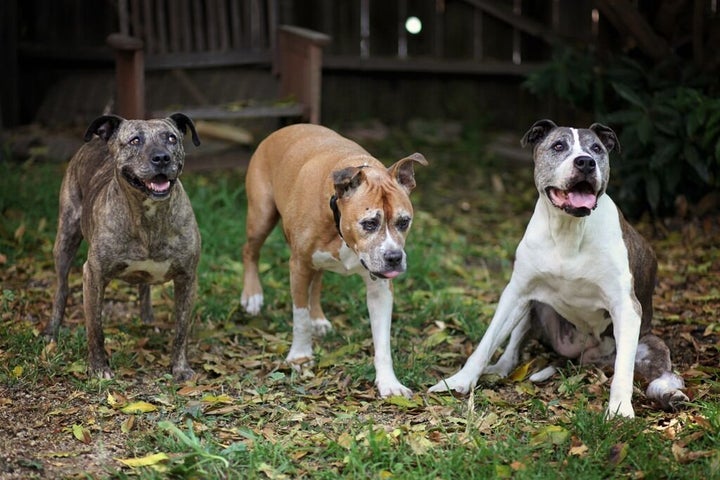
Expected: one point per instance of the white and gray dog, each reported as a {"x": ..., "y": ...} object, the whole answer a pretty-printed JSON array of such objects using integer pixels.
[{"x": 583, "y": 277}]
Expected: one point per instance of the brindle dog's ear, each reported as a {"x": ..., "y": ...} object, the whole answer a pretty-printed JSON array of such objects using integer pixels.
[
  {"x": 607, "y": 136},
  {"x": 537, "y": 132},
  {"x": 347, "y": 180},
  {"x": 404, "y": 173},
  {"x": 183, "y": 122},
  {"x": 104, "y": 127}
]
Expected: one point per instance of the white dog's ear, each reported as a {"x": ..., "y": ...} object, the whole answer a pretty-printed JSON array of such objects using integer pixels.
[
  {"x": 347, "y": 180},
  {"x": 537, "y": 132},
  {"x": 607, "y": 136},
  {"x": 404, "y": 173}
]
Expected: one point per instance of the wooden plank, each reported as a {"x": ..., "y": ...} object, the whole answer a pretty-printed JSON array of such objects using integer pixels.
[
  {"x": 502, "y": 12},
  {"x": 225, "y": 113},
  {"x": 203, "y": 59},
  {"x": 427, "y": 65}
]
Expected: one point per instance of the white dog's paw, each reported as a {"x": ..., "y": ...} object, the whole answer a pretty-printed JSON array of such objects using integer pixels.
[
  {"x": 459, "y": 382},
  {"x": 622, "y": 409},
  {"x": 674, "y": 400},
  {"x": 542, "y": 375},
  {"x": 321, "y": 327},
  {"x": 252, "y": 304},
  {"x": 388, "y": 388}
]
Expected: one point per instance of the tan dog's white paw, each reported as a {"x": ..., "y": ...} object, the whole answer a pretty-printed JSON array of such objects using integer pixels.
[
  {"x": 252, "y": 304},
  {"x": 389, "y": 388},
  {"x": 321, "y": 327}
]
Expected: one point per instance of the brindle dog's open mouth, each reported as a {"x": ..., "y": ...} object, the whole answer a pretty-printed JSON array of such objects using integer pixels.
[
  {"x": 158, "y": 186},
  {"x": 579, "y": 200}
]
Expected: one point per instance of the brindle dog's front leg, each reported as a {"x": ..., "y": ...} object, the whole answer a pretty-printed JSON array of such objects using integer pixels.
[{"x": 93, "y": 294}]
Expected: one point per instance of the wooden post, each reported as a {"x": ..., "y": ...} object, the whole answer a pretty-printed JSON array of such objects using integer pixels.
[
  {"x": 300, "y": 67},
  {"x": 129, "y": 75}
]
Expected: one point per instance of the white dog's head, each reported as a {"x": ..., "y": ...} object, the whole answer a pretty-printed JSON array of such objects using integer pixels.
[{"x": 572, "y": 166}]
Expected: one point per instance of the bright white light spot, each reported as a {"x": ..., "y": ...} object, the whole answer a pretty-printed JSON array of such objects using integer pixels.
[{"x": 413, "y": 25}]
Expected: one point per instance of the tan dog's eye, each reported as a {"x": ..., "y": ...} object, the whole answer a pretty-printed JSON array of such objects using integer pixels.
[
  {"x": 370, "y": 225},
  {"x": 134, "y": 141},
  {"x": 403, "y": 223},
  {"x": 172, "y": 138}
]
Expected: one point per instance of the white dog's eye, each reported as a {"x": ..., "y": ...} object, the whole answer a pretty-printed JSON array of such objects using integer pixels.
[
  {"x": 558, "y": 146},
  {"x": 172, "y": 138},
  {"x": 596, "y": 148}
]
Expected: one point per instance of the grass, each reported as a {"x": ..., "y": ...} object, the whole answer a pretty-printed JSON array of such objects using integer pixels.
[{"x": 248, "y": 416}]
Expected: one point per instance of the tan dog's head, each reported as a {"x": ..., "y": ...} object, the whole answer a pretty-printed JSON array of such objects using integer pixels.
[
  {"x": 374, "y": 213},
  {"x": 149, "y": 154}
]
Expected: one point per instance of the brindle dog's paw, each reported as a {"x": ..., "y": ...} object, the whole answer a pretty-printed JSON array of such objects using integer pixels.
[
  {"x": 182, "y": 373},
  {"x": 101, "y": 371}
]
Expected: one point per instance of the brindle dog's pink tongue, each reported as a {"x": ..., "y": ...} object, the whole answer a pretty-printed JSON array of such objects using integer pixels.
[
  {"x": 158, "y": 186},
  {"x": 580, "y": 200}
]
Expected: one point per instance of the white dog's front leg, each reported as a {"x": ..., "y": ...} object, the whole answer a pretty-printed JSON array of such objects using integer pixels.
[
  {"x": 626, "y": 330},
  {"x": 301, "y": 353},
  {"x": 380, "y": 304},
  {"x": 512, "y": 310}
]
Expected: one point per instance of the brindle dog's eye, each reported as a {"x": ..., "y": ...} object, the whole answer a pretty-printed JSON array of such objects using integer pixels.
[
  {"x": 596, "y": 148},
  {"x": 370, "y": 225},
  {"x": 403, "y": 224},
  {"x": 172, "y": 138},
  {"x": 135, "y": 141},
  {"x": 558, "y": 146}
]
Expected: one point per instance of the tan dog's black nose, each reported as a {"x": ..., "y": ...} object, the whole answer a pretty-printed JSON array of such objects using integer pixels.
[{"x": 393, "y": 258}]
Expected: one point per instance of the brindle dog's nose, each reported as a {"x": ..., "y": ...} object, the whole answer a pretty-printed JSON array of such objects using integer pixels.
[
  {"x": 393, "y": 258},
  {"x": 160, "y": 158},
  {"x": 585, "y": 164}
]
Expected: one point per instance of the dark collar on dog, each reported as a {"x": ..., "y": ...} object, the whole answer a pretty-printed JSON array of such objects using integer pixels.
[{"x": 336, "y": 213}]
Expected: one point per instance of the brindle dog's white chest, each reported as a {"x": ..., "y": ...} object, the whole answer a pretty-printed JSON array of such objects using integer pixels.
[{"x": 147, "y": 271}]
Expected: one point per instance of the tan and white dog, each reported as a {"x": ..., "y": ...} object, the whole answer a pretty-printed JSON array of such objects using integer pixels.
[
  {"x": 583, "y": 277},
  {"x": 342, "y": 211}
]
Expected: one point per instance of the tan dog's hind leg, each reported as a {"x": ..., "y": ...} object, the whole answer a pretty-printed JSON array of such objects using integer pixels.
[
  {"x": 262, "y": 216},
  {"x": 320, "y": 324}
]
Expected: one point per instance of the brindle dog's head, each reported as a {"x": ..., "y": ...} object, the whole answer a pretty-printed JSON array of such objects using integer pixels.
[
  {"x": 572, "y": 166},
  {"x": 375, "y": 213},
  {"x": 149, "y": 154}
]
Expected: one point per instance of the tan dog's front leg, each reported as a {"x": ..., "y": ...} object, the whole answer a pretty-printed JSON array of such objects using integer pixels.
[
  {"x": 380, "y": 304},
  {"x": 185, "y": 288},
  {"x": 93, "y": 294}
]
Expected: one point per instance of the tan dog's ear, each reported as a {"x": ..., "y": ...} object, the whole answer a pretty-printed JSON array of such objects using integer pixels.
[
  {"x": 347, "y": 180},
  {"x": 402, "y": 170}
]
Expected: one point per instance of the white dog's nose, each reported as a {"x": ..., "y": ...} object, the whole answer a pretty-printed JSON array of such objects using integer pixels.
[{"x": 585, "y": 164}]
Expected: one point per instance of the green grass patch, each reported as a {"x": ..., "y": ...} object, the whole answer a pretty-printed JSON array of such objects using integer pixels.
[{"x": 249, "y": 416}]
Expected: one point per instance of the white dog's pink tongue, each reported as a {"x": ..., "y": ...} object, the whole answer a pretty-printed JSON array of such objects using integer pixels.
[{"x": 582, "y": 199}]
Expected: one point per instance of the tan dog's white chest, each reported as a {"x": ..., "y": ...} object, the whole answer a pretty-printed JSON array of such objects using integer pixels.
[
  {"x": 152, "y": 271},
  {"x": 345, "y": 263}
]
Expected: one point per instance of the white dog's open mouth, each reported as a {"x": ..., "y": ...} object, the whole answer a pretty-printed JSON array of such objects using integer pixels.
[
  {"x": 158, "y": 186},
  {"x": 579, "y": 200}
]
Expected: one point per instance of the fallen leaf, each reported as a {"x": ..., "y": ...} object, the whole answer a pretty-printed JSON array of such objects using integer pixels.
[
  {"x": 553, "y": 434},
  {"x": 145, "y": 461},
  {"x": 81, "y": 433},
  {"x": 17, "y": 371},
  {"x": 617, "y": 454},
  {"x": 521, "y": 372},
  {"x": 128, "y": 424},
  {"x": 271, "y": 472},
  {"x": 401, "y": 401},
  {"x": 138, "y": 407},
  {"x": 419, "y": 443}
]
